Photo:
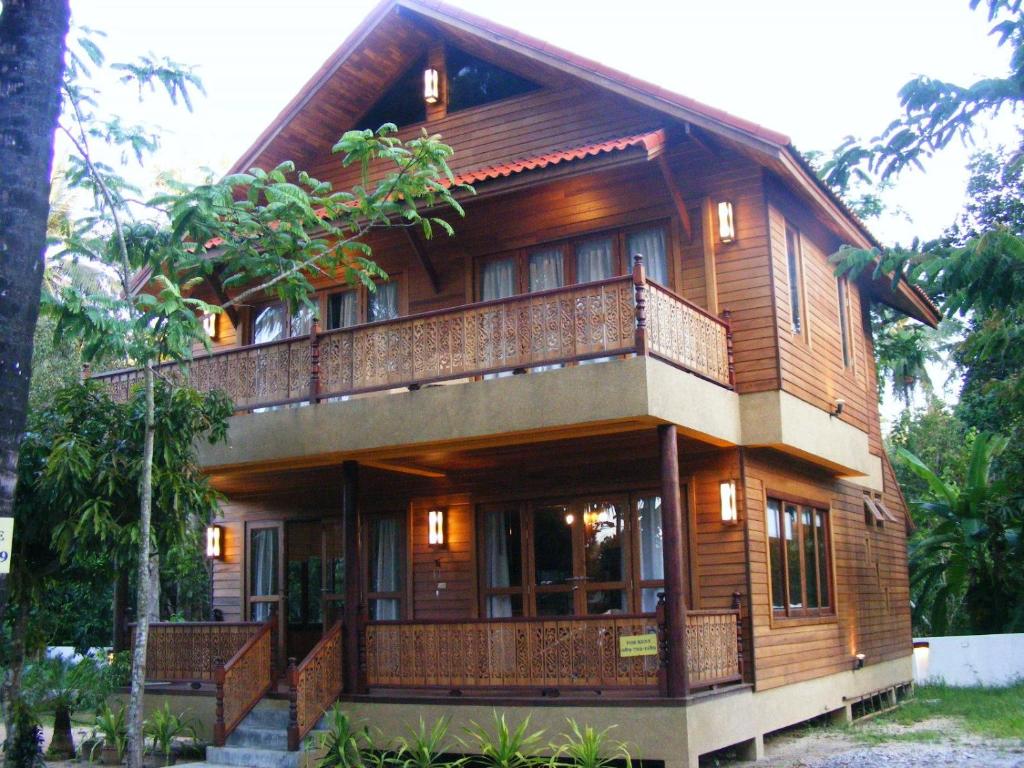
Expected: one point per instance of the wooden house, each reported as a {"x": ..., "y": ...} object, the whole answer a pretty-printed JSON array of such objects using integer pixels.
[{"x": 532, "y": 471}]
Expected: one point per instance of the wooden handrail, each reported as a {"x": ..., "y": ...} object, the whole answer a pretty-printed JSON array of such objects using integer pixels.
[
  {"x": 243, "y": 681},
  {"x": 314, "y": 684}
]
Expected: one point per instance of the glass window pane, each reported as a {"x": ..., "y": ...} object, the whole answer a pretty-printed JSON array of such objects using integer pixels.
[
  {"x": 302, "y": 321},
  {"x": 384, "y": 610},
  {"x": 385, "y": 555},
  {"x": 402, "y": 103},
  {"x": 314, "y": 612},
  {"x": 810, "y": 563},
  {"x": 552, "y": 545},
  {"x": 473, "y": 82},
  {"x": 342, "y": 310},
  {"x": 606, "y": 601},
  {"x": 295, "y": 603},
  {"x": 844, "y": 321},
  {"x": 652, "y": 558},
  {"x": 650, "y": 243},
  {"x": 554, "y": 603},
  {"x": 503, "y": 606},
  {"x": 820, "y": 531},
  {"x": 776, "y": 555},
  {"x": 793, "y": 259},
  {"x": 497, "y": 279},
  {"x": 263, "y": 562},
  {"x": 594, "y": 260},
  {"x": 602, "y": 540},
  {"x": 649, "y": 599},
  {"x": 383, "y": 303},
  {"x": 269, "y": 324},
  {"x": 261, "y": 611},
  {"x": 546, "y": 270},
  {"x": 793, "y": 557},
  {"x": 503, "y": 555}
]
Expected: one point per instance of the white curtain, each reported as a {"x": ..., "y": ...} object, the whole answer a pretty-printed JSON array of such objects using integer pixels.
[
  {"x": 498, "y": 279},
  {"x": 650, "y": 243},
  {"x": 342, "y": 310},
  {"x": 652, "y": 559},
  {"x": 386, "y": 567},
  {"x": 383, "y": 303},
  {"x": 263, "y": 568},
  {"x": 594, "y": 260},
  {"x": 546, "y": 270},
  {"x": 497, "y": 529},
  {"x": 302, "y": 321}
]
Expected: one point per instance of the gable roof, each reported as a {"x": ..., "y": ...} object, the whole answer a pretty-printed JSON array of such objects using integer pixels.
[{"x": 388, "y": 23}]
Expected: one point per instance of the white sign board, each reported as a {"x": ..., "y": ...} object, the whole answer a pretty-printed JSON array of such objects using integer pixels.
[{"x": 6, "y": 543}]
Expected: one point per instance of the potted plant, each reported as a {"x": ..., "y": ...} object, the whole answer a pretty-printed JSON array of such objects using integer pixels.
[
  {"x": 110, "y": 734},
  {"x": 164, "y": 726}
]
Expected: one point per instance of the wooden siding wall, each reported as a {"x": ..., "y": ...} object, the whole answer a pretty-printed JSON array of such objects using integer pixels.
[
  {"x": 871, "y": 589},
  {"x": 811, "y": 362}
]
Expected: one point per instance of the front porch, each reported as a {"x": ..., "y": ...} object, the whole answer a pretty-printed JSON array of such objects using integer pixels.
[{"x": 558, "y": 571}]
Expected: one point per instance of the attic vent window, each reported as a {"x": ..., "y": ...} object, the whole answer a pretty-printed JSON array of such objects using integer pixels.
[{"x": 473, "y": 82}]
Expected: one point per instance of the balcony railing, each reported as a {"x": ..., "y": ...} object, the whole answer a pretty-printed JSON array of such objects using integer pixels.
[{"x": 619, "y": 316}]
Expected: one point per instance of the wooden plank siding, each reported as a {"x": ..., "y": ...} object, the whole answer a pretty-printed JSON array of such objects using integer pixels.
[{"x": 871, "y": 592}]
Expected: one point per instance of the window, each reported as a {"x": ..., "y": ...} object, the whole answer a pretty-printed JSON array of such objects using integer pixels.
[
  {"x": 402, "y": 104},
  {"x": 798, "y": 552},
  {"x": 502, "y": 586},
  {"x": 843, "y": 288},
  {"x": 473, "y": 82},
  {"x": 352, "y": 306},
  {"x": 386, "y": 551},
  {"x": 382, "y": 304},
  {"x": 342, "y": 309},
  {"x": 795, "y": 292},
  {"x": 272, "y": 322},
  {"x": 650, "y": 243}
]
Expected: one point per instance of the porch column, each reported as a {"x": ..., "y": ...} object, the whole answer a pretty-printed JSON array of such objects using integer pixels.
[
  {"x": 672, "y": 548},
  {"x": 353, "y": 569}
]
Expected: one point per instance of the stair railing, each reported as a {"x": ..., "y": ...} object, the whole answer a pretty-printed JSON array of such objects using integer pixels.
[
  {"x": 314, "y": 685},
  {"x": 245, "y": 679}
]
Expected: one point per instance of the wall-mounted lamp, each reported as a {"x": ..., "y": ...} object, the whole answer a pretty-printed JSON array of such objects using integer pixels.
[
  {"x": 726, "y": 224},
  {"x": 727, "y": 491},
  {"x": 437, "y": 528},
  {"x": 858, "y": 662},
  {"x": 570, "y": 519},
  {"x": 839, "y": 406},
  {"x": 213, "y": 541},
  {"x": 431, "y": 89},
  {"x": 210, "y": 325}
]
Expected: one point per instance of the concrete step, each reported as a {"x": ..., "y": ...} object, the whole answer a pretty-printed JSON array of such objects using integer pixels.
[
  {"x": 246, "y": 757},
  {"x": 255, "y": 737},
  {"x": 267, "y": 714}
]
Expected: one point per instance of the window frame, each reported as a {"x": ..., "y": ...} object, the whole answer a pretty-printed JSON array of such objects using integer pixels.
[
  {"x": 799, "y": 327},
  {"x": 845, "y": 324},
  {"x": 789, "y": 612}
]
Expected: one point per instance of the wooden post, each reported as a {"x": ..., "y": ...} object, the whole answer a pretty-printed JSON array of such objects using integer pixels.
[
  {"x": 672, "y": 533},
  {"x": 737, "y": 606},
  {"x": 314, "y": 362},
  {"x": 727, "y": 319},
  {"x": 707, "y": 226},
  {"x": 218, "y": 724},
  {"x": 640, "y": 290},
  {"x": 293, "y": 705},
  {"x": 662, "y": 646},
  {"x": 353, "y": 572}
]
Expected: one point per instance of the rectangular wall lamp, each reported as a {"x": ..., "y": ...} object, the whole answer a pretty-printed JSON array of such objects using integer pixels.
[
  {"x": 726, "y": 223},
  {"x": 437, "y": 528},
  {"x": 727, "y": 492},
  {"x": 214, "y": 535}
]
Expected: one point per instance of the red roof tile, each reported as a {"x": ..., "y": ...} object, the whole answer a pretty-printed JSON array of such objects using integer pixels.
[{"x": 652, "y": 142}]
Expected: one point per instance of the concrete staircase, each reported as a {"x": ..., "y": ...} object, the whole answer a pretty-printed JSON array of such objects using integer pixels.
[{"x": 259, "y": 741}]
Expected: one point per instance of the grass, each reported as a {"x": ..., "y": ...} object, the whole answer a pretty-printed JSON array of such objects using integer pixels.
[{"x": 991, "y": 712}]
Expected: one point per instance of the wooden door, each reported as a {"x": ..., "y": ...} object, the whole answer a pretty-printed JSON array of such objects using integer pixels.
[{"x": 304, "y": 583}]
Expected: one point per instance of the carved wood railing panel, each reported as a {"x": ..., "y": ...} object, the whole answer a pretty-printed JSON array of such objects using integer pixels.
[
  {"x": 711, "y": 647},
  {"x": 621, "y": 315},
  {"x": 686, "y": 335},
  {"x": 580, "y": 652},
  {"x": 243, "y": 681},
  {"x": 314, "y": 685},
  {"x": 189, "y": 651}
]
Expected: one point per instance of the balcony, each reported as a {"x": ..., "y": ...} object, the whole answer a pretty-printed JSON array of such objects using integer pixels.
[{"x": 621, "y": 316}]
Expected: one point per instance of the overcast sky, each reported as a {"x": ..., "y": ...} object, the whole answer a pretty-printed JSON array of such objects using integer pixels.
[{"x": 817, "y": 70}]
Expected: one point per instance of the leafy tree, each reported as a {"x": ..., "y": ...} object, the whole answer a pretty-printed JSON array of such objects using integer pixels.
[
  {"x": 31, "y": 60},
  {"x": 65, "y": 687},
  {"x": 938, "y": 438},
  {"x": 968, "y": 570}
]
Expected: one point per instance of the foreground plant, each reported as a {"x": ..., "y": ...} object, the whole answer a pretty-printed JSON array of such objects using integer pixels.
[
  {"x": 426, "y": 747},
  {"x": 587, "y": 747},
  {"x": 110, "y": 733},
  {"x": 502, "y": 746},
  {"x": 163, "y": 727},
  {"x": 344, "y": 743}
]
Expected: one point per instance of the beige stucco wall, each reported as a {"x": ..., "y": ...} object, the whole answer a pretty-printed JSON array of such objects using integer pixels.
[{"x": 200, "y": 706}]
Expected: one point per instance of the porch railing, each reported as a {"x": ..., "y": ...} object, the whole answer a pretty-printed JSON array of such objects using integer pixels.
[
  {"x": 243, "y": 681},
  {"x": 188, "y": 651},
  {"x": 579, "y": 652},
  {"x": 617, "y": 316},
  {"x": 314, "y": 685},
  {"x": 712, "y": 647}
]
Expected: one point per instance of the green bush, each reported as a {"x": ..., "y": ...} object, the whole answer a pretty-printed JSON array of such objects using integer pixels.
[{"x": 24, "y": 748}]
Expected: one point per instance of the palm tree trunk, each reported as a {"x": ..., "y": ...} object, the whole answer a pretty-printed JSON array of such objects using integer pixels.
[
  {"x": 32, "y": 36},
  {"x": 135, "y": 699},
  {"x": 62, "y": 743}
]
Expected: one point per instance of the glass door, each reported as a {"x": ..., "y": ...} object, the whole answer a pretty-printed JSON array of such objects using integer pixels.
[
  {"x": 304, "y": 586},
  {"x": 555, "y": 577},
  {"x": 264, "y": 578},
  {"x": 604, "y": 555}
]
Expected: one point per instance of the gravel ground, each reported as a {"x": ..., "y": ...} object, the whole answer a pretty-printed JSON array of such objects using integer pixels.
[{"x": 911, "y": 755}]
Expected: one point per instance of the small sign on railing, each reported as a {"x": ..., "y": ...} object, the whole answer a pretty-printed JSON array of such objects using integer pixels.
[{"x": 638, "y": 645}]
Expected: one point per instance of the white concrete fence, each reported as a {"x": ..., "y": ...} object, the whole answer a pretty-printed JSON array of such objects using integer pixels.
[{"x": 968, "y": 660}]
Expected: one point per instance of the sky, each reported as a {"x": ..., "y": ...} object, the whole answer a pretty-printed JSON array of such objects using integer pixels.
[{"x": 817, "y": 70}]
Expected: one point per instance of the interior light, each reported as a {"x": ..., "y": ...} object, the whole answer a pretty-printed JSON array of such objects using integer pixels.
[
  {"x": 726, "y": 225},
  {"x": 213, "y": 539},
  {"x": 431, "y": 92},
  {"x": 210, "y": 325},
  {"x": 727, "y": 491},
  {"x": 570, "y": 519},
  {"x": 436, "y": 528}
]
